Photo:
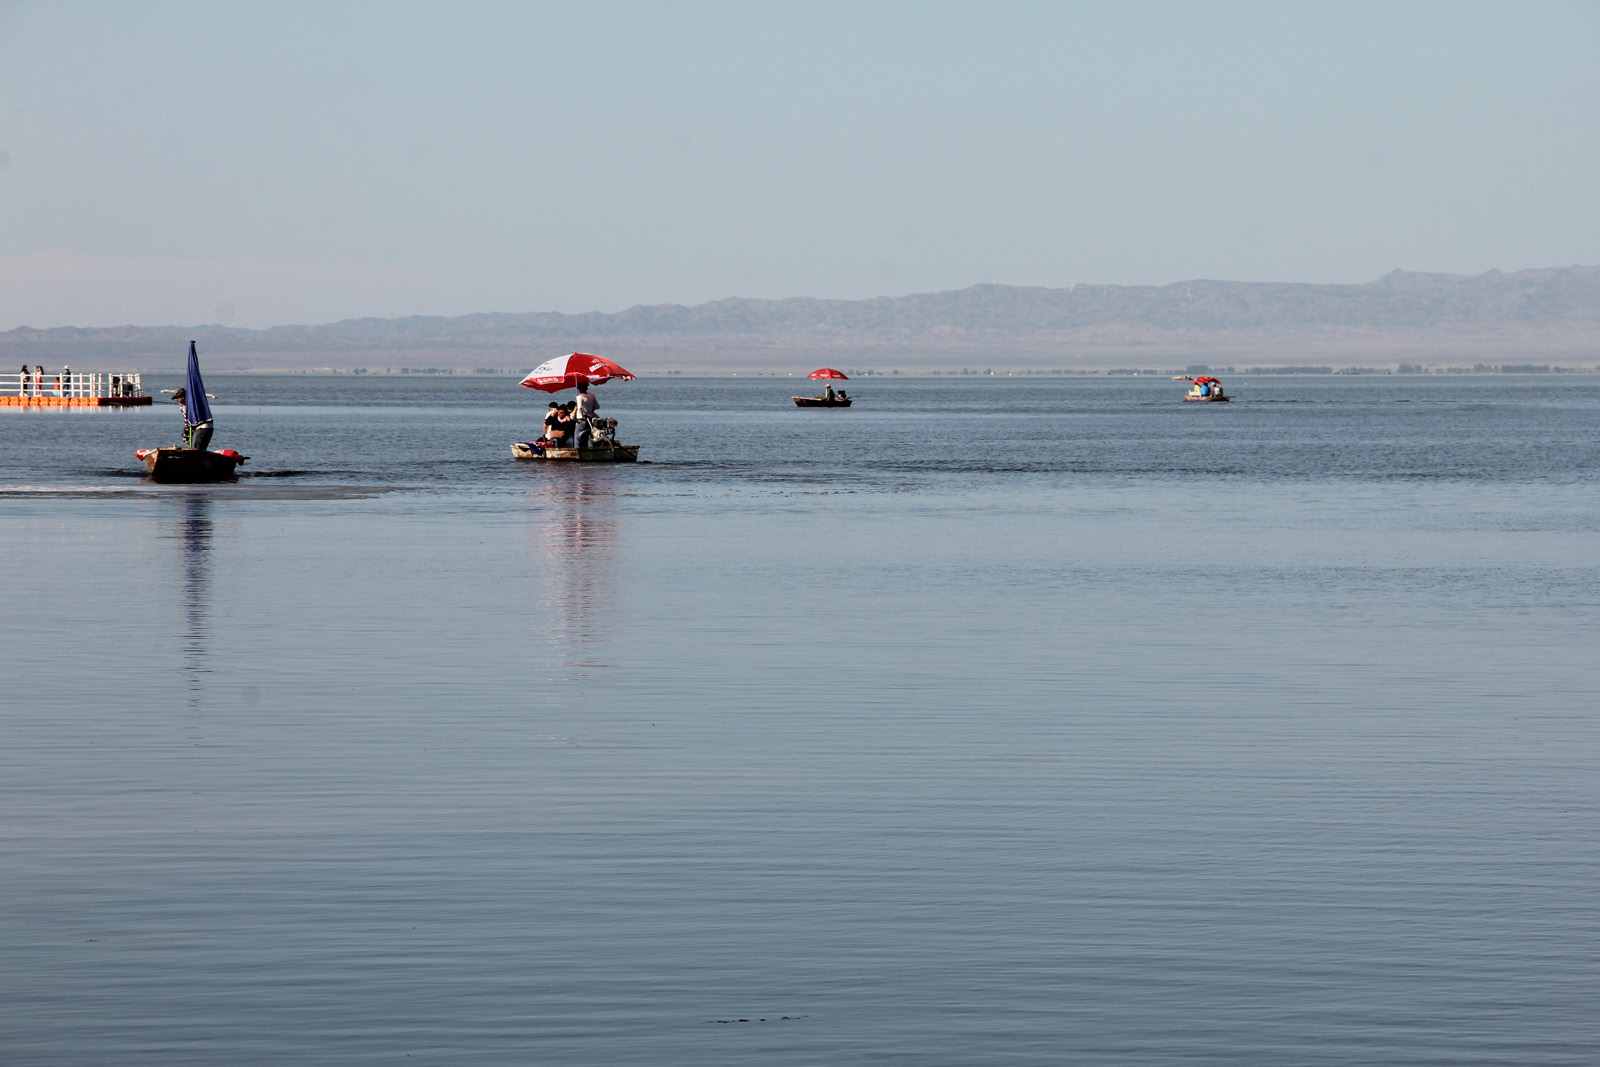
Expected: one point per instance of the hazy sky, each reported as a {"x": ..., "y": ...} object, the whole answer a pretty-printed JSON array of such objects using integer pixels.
[{"x": 287, "y": 162}]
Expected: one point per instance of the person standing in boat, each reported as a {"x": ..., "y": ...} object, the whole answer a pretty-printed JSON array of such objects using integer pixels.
[
  {"x": 584, "y": 408},
  {"x": 195, "y": 434}
]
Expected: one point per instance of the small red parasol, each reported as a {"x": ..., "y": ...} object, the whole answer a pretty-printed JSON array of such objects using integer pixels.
[
  {"x": 565, "y": 372},
  {"x": 828, "y": 372}
]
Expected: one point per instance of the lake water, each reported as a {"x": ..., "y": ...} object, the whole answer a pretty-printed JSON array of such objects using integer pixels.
[{"x": 1021, "y": 721}]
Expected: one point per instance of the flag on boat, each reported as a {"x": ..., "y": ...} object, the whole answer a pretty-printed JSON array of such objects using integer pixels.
[
  {"x": 196, "y": 409},
  {"x": 565, "y": 372},
  {"x": 828, "y": 372}
]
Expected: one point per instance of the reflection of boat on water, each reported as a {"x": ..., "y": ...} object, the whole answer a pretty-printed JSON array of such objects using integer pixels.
[
  {"x": 192, "y": 461},
  {"x": 1203, "y": 389},
  {"x": 190, "y": 465},
  {"x": 840, "y": 401},
  {"x": 573, "y": 541},
  {"x": 600, "y": 453},
  {"x": 194, "y": 532}
]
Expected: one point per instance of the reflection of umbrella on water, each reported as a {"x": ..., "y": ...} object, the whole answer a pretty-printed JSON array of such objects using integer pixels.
[{"x": 565, "y": 372}]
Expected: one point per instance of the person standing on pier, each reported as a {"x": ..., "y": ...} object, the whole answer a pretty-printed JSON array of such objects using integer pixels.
[
  {"x": 22, "y": 381},
  {"x": 66, "y": 380}
]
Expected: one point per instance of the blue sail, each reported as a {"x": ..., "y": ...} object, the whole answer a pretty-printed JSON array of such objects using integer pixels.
[{"x": 195, "y": 408}]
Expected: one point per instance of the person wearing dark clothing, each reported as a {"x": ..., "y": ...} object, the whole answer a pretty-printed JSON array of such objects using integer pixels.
[
  {"x": 562, "y": 427},
  {"x": 552, "y": 418}
]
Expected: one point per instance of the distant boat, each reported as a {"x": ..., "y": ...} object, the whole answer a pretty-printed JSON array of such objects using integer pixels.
[
  {"x": 1203, "y": 389},
  {"x": 828, "y": 399}
]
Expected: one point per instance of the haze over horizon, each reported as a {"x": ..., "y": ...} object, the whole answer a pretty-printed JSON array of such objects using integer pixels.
[{"x": 302, "y": 164}]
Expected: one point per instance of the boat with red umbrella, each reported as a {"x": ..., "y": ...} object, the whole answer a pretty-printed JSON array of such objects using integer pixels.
[
  {"x": 1203, "y": 389},
  {"x": 595, "y": 437},
  {"x": 829, "y": 398}
]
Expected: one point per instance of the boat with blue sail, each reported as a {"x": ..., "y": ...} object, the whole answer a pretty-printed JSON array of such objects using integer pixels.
[{"x": 193, "y": 461}]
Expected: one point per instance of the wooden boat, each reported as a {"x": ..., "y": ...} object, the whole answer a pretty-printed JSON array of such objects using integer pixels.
[
  {"x": 601, "y": 452},
  {"x": 190, "y": 465},
  {"x": 820, "y": 402},
  {"x": 1213, "y": 399}
]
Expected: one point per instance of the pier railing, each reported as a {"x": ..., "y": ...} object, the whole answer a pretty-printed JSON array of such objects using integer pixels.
[{"x": 105, "y": 384}]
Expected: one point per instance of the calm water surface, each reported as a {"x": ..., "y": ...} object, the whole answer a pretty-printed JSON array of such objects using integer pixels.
[{"x": 991, "y": 721}]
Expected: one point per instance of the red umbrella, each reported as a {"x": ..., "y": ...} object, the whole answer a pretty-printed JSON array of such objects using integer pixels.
[
  {"x": 828, "y": 372},
  {"x": 565, "y": 372}
]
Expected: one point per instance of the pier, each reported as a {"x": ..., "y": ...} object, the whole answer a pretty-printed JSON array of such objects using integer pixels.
[{"x": 91, "y": 389}]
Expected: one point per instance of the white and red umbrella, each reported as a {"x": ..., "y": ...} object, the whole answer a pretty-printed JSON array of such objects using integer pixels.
[
  {"x": 828, "y": 372},
  {"x": 565, "y": 372}
]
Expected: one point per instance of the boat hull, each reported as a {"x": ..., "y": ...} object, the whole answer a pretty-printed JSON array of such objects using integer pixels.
[
  {"x": 180, "y": 466},
  {"x": 1206, "y": 399},
  {"x": 529, "y": 450},
  {"x": 820, "y": 402}
]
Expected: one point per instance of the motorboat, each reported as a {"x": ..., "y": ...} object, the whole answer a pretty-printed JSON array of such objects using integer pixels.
[
  {"x": 190, "y": 465},
  {"x": 836, "y": 401}
]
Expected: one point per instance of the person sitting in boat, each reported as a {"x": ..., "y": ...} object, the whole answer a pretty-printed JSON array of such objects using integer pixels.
[
  {"x": 843, "y": 396},
  {"x": 827, "y": 392},
  {"x": 584, "y": 408},
  {"x": 551, "y": 420},
  {"x": 561, "y": 427}
]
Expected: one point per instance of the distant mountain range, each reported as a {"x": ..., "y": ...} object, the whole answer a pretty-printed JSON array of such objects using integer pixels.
[{"x": 1548, "y": 314}]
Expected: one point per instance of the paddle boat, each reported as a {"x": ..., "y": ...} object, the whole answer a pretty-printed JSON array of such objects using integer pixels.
[
  {"x": 192, "y": 462},
  {"x": 1204, "y": 389}
]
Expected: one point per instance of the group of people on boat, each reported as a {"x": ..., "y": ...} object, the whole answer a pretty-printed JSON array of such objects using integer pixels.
[
  {"x": 574, "y": 424},
  {"x": 830, "y": 396}
]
